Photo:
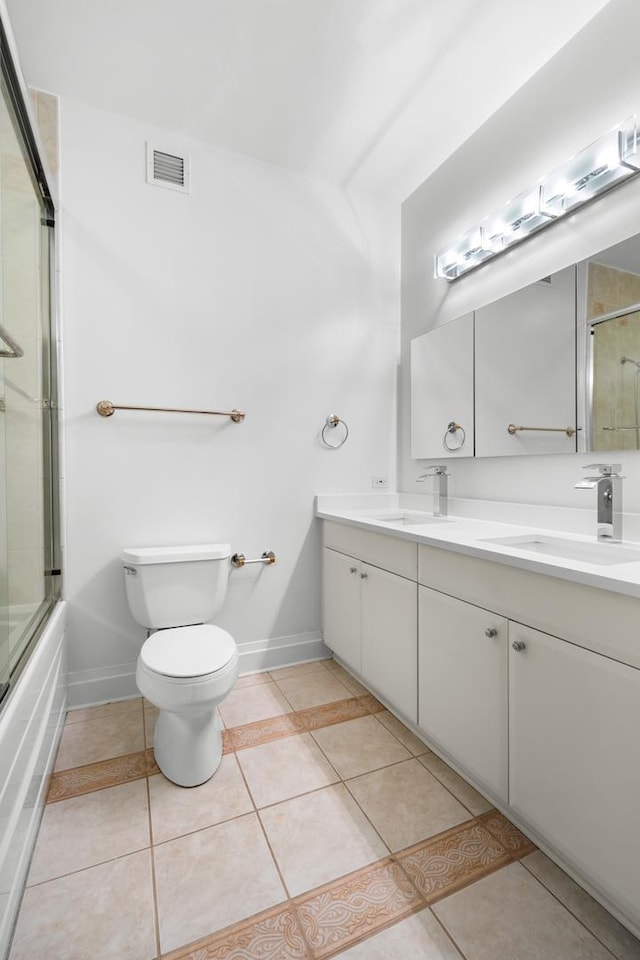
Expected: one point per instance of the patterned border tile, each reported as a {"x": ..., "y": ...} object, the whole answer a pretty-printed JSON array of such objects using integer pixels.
[
  {"x": 508, "y": 834},
  {"x": 273, "y": 935},
  {"x": 452, "y": 860},
  {"x": 96, "y": 776},
  {"x": 343, "y": 912}
]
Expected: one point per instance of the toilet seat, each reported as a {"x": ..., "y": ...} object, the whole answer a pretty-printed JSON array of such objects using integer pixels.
[{"x": 187, "y": 653}]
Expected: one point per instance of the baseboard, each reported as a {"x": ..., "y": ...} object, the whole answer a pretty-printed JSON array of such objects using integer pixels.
[
  {"x": 118, "y": 682},
  {"x": 282, "y": 652}
]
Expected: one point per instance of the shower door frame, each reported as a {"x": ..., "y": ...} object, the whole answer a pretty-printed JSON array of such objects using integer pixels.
[{"x": 17, "y": 97}]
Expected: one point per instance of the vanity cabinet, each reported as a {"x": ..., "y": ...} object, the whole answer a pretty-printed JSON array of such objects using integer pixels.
[
  {"x": 528, "y": 683},
  {"x": 574, "y": 770},
  {"x": 462, "y": 684},
  {"x": 370, "y": 613}
]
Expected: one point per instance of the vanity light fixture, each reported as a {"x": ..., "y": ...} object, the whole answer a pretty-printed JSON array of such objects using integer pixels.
[{"x": 601, "y": 166}]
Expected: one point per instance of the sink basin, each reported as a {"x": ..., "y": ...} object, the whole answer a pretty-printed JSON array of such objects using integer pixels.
[
  {"x": 602, "y": 554},
  {"x": 408, "y": 518}
]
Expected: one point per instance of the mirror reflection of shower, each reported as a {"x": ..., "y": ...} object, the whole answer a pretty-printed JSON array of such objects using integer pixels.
[
  {"x": 613, "y": 396},
  {"x": 636, "y": 396}
]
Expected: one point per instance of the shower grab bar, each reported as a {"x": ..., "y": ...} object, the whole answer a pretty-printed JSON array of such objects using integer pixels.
[
  {"x": 239, "y": 559},
  {"x": 106, "y": 409},
  {"x": 15, "y": 350},
  {"x": 512, "y": 429}
]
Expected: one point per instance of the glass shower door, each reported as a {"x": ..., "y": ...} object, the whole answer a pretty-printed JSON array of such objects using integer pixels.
[{"x": 26, "y": 584}]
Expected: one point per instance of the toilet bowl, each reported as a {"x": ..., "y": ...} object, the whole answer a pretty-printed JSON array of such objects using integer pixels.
[
  {"x": 186, "y": 672},
  {"x": 185, "y": 667}
]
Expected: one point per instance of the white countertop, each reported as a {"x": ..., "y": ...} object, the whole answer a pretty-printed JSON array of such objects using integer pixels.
[{"x": 464, "y": 532}]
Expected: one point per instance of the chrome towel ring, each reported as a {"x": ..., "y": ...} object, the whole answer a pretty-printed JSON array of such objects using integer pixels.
[
  {"x": 333, "y": 422},
  {"x": 454, "y": 436}
]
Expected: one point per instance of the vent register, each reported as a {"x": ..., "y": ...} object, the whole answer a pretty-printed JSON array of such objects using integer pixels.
[{"x": 168, "y": 170}]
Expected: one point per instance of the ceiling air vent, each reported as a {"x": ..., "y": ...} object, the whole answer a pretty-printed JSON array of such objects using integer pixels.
[{"x": 166, "y": 169}]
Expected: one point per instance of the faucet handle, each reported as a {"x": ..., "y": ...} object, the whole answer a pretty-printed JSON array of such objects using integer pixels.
[
  {"x": 606, "y": 469},
  {"x": 438, "y": 470}
]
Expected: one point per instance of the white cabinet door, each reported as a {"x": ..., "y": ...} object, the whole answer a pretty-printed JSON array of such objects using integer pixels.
[
  {"x": 389, "y": 645},
  {"x": 462, "y": 706},
  {"x": 341, "y": 606},
  {"x": 575, "y": 758},
  {"x": 442, "y": 390},
  {"x": 526, "y": 369}
]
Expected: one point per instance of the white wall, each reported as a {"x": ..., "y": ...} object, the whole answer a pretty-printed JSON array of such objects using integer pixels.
[
  {"x": 263, "y": 290},
  {"x": 587, "y": 88}
]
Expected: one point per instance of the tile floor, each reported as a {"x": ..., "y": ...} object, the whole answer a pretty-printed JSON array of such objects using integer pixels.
[{"x": 329, "y": 830}]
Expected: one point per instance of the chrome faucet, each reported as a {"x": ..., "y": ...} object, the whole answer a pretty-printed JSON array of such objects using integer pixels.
[
  {"x": 439, "y": 476},
  {"x": 609, "y": 487}
]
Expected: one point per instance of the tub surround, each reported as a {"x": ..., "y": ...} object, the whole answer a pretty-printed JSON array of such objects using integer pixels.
[{"x": 511, "y": 666}]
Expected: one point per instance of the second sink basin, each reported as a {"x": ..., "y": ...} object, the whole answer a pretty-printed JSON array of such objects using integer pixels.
[{"x": 581, "y": 550}]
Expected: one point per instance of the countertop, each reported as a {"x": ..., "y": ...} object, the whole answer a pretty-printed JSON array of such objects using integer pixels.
[{"x": 464, "y": 533}]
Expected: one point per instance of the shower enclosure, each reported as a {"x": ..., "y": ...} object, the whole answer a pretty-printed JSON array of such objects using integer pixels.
[
  {"x": 615, "y": 379},
  {"x": 29, "y": 555}
]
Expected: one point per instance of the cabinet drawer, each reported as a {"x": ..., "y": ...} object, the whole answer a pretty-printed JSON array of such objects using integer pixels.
[
  {"x": 390, "y": 553},
  {"x": 596, "y": 619}
]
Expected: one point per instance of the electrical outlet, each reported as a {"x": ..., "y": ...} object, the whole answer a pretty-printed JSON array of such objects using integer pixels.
[{"x": 379, "y": 483}]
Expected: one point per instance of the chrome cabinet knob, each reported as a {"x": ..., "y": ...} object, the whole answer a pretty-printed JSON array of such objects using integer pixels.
[
  {"x": 518, "y": 645},
  {"x": 491, "y": 632},
  {"x": 363, "y": 576},
  {"x": 353, "y": 569}
]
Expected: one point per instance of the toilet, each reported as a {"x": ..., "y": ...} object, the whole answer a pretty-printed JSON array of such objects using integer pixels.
[{"x": 186, "y": 666}]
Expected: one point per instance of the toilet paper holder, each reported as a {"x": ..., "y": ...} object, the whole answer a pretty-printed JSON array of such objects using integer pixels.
[{"x": 239, "y": 559}]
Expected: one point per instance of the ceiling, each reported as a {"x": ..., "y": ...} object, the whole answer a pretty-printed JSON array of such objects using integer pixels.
[{"x": 373, "y": 94}]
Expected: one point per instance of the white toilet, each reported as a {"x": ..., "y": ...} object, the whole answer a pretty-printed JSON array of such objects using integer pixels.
[{"x": 186, "y": 666}]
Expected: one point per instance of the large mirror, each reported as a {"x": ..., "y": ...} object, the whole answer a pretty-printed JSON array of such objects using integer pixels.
[{"x": 555, "y": 366}]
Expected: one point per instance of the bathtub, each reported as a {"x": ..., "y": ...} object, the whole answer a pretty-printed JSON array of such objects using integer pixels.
[{"x": 31, "y": 722}]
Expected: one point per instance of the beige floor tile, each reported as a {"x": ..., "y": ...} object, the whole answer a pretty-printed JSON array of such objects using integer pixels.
[
  {"x": 252, "y": 680},
  {"x": 117, "y": 708},
  {"x": 339, "y": 672},
  {"x": 298, "y": 670},
  {"x": 253, "y": 703},
  {"x": 406, "y": 804},
  {"x": 599, "y": 921},
  {"x": 92, "y": 740},
  {"x": 176, "y": 811},
  {"x": 213, "y": 878},
  {"x": 105, "y": 912},
  {"x": 88, "y": 830},
  {"x": 418, "y": 936},
  {"x": 320, "y": 836},
  {"x": 509, "y": 914},
  {"x": 359, "y": 746},
  {"x": 285, "y": 768},
  {"x": 337, "y": 915},
  {"x": 462, "y": 791},
  {"x": 313, "y": 689},
  {"x": 408, "y": 739}
]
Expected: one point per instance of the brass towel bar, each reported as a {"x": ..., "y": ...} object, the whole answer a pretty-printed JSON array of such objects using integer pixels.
[
  {"x": 106, "y": 409},
  {"x": 512, "y": 429}
]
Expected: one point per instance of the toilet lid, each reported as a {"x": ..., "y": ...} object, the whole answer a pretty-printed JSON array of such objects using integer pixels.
[{"x": 188, "y": 651}]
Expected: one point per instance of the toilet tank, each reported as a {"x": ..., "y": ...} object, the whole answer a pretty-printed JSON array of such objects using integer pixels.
[{"x": 176, "y": 586}]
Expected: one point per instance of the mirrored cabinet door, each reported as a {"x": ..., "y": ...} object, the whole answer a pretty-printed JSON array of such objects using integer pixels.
[
  {"x": 442, "y": 391},
  {"x": 525, "y": 354}
]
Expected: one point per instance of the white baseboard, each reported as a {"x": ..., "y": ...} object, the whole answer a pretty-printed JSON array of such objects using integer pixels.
[
  {"x": 282, "y": 652},
  {"x": 118, "y": 682}
]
